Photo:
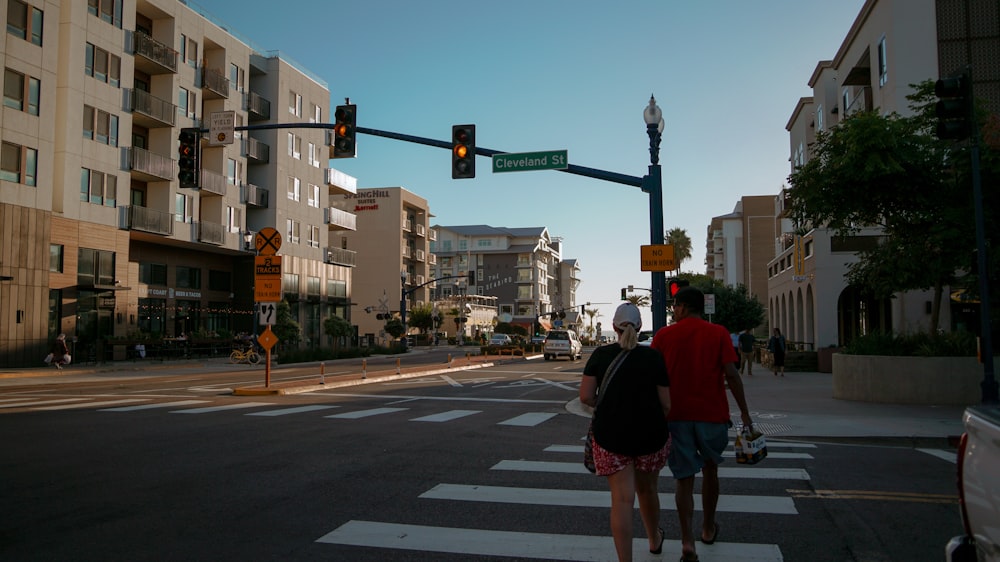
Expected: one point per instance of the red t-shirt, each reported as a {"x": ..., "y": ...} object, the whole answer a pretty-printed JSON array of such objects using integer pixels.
[{"x": 696, "y": 352}]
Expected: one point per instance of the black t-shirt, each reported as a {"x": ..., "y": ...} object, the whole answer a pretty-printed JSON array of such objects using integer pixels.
[{"x": 629, "y": 419}]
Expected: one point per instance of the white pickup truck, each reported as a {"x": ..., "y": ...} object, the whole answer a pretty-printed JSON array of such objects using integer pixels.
[{"x": 979, "y": 487}]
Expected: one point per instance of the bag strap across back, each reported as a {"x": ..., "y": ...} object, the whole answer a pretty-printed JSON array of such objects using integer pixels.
[{"x": 612, "y": 368}]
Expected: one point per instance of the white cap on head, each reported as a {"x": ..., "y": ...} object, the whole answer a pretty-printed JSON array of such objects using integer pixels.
[{"x": 627, "y": 313}]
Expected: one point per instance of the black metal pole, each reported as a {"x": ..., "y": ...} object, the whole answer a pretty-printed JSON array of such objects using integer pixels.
[
  {"x": 991, "y": 394},
  {"x": 653, "y": 185}
]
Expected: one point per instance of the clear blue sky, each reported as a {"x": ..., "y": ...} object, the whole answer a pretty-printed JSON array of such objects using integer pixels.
[{"x": 574, "y": 75}]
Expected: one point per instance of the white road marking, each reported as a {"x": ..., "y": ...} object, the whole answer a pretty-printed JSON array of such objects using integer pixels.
[
  {"x": 727, "y": 454},
  {"x": 286, "y": 411},
  {"x": 950, "y": 456},
  {"x": 210, "y": 409},
  {"x": 92, "y": 404},
  {"x": 772, "y": 505},
  {"x": 530, "y": 419},
  {"x": 447, "y": 416},
  {"x": 37, "y": 402},
  {"x": 153, "y": 406},
  {"x": 724, "y": 472},
  {"x": 539, "y": 546},
  {"x": 365, "y": 413}
]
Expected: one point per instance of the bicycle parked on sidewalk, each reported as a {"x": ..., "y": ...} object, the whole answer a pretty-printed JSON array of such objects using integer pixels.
[{"x": 246, "y": 355}]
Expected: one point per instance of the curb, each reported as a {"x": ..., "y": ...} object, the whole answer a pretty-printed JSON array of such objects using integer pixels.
[{"x": 351, "y": 381}]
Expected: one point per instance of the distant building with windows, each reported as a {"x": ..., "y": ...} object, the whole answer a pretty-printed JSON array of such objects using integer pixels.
[{"x": 522, "y": 268}]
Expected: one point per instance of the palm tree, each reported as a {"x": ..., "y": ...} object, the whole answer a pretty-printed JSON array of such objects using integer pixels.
[
  {"x": 679, "y": 239},
  {"x": 638, "y": 300},
  {"x": 592, "y": 312}
]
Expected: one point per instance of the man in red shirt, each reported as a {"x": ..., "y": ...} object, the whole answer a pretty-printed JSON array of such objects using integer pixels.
[{"x": 700, "y": 362}]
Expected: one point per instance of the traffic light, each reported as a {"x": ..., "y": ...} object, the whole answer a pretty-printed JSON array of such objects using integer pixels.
[
  {"x": 954, "y": 107},
  {"x": 624, "y": 297},
  {"x": 189, "y": 158},
  {"x": 463, "y": 151},
  {"x": 345, "y": 131},
  {"x": 674, "y": 284}
]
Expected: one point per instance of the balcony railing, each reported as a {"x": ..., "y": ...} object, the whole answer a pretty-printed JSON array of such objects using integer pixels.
[
  {"x": 146, "y": 220},
  {"x": 211, "y": 233},
  {"x": 253, "y": 195},
  {"x": 253, "y": 148},
  {"x": 432, "y": 258},
  {"x": 406, "y": 252},
  {"x": 215, "y": 82},
  {"x": 432, "y": 234},
  {"x": 144, "y": 161},
  {"x": 340, "y": 256},
  {"x": 257, "y": 107},
  {"x": 340, "y": 218},
  {"x": 421, "y": 230},
  {"x": 420, "y": 255},
  {"x": 213, "y": 183},
  {"x": 154, "y": 51},
  {"x": 144, "y": 103}
]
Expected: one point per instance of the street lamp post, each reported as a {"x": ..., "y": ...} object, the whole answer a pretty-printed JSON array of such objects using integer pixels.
[
  {"x": 652, "y": 183},
  {"x": 402, "y": 305}
]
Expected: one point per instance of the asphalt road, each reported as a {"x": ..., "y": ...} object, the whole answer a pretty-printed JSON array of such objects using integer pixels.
[{"x": 473, "y": 465}]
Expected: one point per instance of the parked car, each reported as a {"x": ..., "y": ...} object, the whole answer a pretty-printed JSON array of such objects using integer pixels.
[
  {"x": 500, "y": 339},
  {"x": 562, "y": 343},
  {"x": 537, "y": 340},
  {"x": 978, "y": 487}
]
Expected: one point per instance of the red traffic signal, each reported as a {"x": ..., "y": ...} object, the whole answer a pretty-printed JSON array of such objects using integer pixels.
[
  {"x": 345, "y": 131},
  {"x": 675, "y": 285},
  {"x": 463, "y": 151}
]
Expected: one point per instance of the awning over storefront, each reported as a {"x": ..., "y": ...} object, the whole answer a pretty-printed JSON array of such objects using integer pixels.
[{"x": 545, "y": 323}]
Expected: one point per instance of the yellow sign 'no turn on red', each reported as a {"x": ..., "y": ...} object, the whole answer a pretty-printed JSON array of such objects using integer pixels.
[{"x": 657, "y": 257}]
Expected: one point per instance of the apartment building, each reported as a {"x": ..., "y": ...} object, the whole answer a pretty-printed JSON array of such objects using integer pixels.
[
  {"x": 892, "y": 44},
  {"x": 392, "y": 244},
  {"x": 100, "y": 241},
  {"x": 741, "y": 243},
  {"x": 522, "y": 268}
]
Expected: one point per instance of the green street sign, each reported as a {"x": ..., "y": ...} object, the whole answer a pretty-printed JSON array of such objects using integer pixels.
[{"x": 528, "y": 161}]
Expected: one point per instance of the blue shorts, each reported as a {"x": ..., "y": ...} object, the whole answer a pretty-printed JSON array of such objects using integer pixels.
[{"x": 694, "y": 442}]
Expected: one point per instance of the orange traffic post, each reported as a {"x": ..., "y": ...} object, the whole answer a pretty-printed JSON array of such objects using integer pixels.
[
  {"x": 364, "y": 368},
  {"x": 322, "y": 373},
  {"x": 397, "y": 365}
]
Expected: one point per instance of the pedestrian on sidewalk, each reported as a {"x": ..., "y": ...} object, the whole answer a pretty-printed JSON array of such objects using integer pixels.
[
  {"x": 60, "y": 352},
  {"x": 630, "y": 439},
  {"x": 701, "y": 362},
  {"x": 776, "y": 345},
  {"x": 747, "y": 341}
]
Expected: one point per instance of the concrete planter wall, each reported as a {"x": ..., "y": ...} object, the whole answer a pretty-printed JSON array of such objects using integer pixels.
[{"x": 952, "y": 381}]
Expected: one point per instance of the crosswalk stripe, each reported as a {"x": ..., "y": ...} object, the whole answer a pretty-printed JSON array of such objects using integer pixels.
[
  {"x": 92, "y": 404},
  {"x": 510, "y": 544},
  {"x": 153, "y": 406},
  {"x": 728, "y": 454},
  {"x": 209, "y": 409},
  {"x": 286, "y": 411},
  {"x": 530, "y": 419},
  {"x": 772, "y": 505},
  {"x": 724, "y": 472},
  {"x": 365, "y": 413},
  {"x": 447, "y": 416},
  {"x": 35, "y": 402}
]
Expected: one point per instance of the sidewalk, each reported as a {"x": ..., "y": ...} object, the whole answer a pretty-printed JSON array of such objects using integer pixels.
[{"x": 798, "y": 405}]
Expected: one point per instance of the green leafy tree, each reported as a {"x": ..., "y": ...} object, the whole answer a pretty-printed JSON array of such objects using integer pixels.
[
  {"x": 286, "y": 328},
  {"x": 394, "y": 327},
  {"x": 504, "y": 328},
  {"x": 638, "y": 300},
  {"x": 337, "y": 328},
  {"x": 421, "y": 318},
  {"x": 679, "y": 239},
  {"x": 893, "y": 172}
]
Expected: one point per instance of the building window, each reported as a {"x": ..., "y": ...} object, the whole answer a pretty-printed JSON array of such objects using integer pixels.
[
  {"x": 187, "y": 103},
  {"x": 484, "y": 243},
  {"x": 56, "y": 258},
  {"x": 153, "y": 273},
  {"x": 237, "y": 76},
  {"x": 18, "y": 164},
  {"x": 18, "y": 88},
  {"x": 219, "y": 280},
  {"x": 98, "y": 188},
  {"x": 294, "y": 189},
  {"x": 100, "y": 125},
  {"x": 819, "y": 118},
  {"x": 311, "y": 155},
  {"x": 231, "y": 171},
  {"x": 187, "y": 277},
  {"x": 293, "y": 228},
  {"x": 317, "y": 114},
  {"x": 234, "y": 219},
  {"x": 24, "y": 21},
  {"x": 294, "y": 104},
  {"x": 883, "y": 63},
  {"x": 108, "y": 10},
  {"x": 103, "y": 65},
  {"x": 314, "y": 195},
  {"x": 95, "y": 267},
  {"x": 335, "y": 288},
  {"x": 313, "y": 236},
  {"x": 183, "y": 208},
  {"x": 191, "y": 53}
]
